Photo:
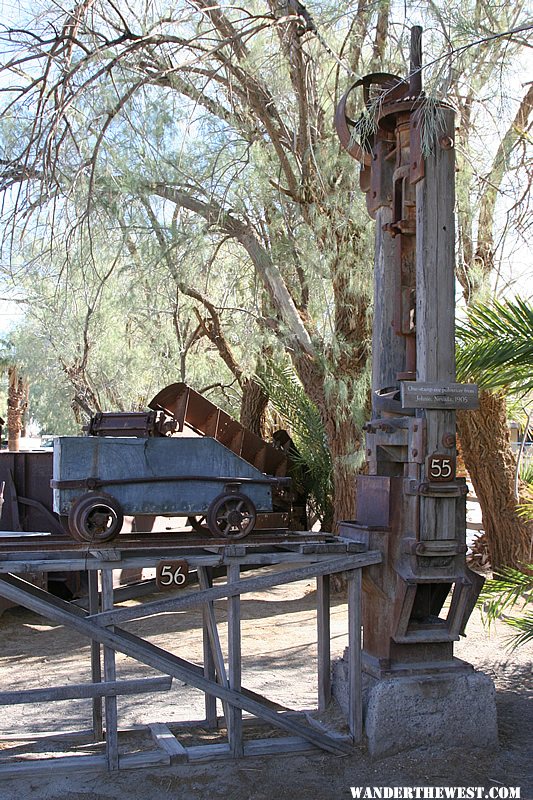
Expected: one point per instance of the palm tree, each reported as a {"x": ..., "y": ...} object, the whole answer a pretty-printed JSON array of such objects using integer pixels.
[
  {"x": 496, "y": 345},
  {"x": 496, "y": 348}
]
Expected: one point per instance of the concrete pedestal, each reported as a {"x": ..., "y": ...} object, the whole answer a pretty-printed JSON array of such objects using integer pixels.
[{"x": 444, "y": 709}]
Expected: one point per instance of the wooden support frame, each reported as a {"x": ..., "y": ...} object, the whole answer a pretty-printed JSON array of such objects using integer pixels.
[{"x": 101, "y": 624}]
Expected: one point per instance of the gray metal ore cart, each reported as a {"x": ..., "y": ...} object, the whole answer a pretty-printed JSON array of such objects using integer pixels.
[
  {"x": 101, "y": 479},
  {"x": 202, "y": 471}
]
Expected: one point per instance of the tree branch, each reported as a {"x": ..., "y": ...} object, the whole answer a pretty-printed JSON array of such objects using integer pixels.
[{"x": 244, "y": 234}]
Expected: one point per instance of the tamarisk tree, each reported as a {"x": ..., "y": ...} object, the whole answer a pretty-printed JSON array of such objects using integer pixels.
[{"x": 197, "y": 138}]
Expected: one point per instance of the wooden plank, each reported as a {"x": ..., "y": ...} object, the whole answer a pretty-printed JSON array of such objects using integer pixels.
[
  {"x": 79, "y": 691},
  {"x": 20, "y": 562},
  {"x": 278, "y": 746},
  {"x": 435, "y": 301},
  {"x": 165, "y": 739},
  {"x": 435, "y": 258},
  {"x": 151, "y": 758},
  {"x": 208, "y": 752},
  {"x": 89, "y": 763},
  {"x": 96, "y": 662},
  {"x": 355, "y": 689},
  {"x": 210, "y": 700},
  {"x": 123, "y": 641},
  {"x": 43, "y": 766},
  {"x": 252, "y": 749},
  {"x": 323, "y": 641},
  {"x": 195, "y": 599},
  {"x": 214, "y": 640},
  {"x": 111, "y": 716},
  {"x": 234, "y": 663}
]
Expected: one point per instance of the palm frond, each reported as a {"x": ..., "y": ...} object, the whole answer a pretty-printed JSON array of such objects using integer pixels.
[
  {"x": 525, "y": 511},
  {"x": 524, "y": 627},
  {"x": 526, "y": 472},
  {"x": 496, "y": 345},
  {"x": 508, "y": 589},
  {"x": 304, "y": 424}
]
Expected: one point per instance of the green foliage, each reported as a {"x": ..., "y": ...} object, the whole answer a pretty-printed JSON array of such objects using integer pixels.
[
  {"x": 496, "y": 345},
  {"x": 305, "y": 427},
  {"x": 510, "y": 588},
  {"x": 158, "y": 163},
  {"x": 526, "y": 472}
]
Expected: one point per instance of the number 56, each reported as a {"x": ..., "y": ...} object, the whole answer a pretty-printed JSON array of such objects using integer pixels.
[{"x": 171, "y": 573}]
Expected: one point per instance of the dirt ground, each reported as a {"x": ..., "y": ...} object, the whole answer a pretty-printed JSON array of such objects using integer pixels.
[{"x": 279, "y": 660}]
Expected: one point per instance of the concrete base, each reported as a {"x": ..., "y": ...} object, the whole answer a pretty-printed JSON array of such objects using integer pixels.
[{"x": 408, "y": 712}]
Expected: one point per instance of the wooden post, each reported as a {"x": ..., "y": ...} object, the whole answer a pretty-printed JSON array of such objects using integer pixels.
[
  {"x": 323, "y": 642},
  {"x": 234, "y": 663},
  {"x": 96, "y": 665},
  {"x": 435, "y": 332},
  {"x": 209, "y": 672},
  {"x": 214, "y": 639},
  {"x": 355, "y": 690},
  {"x": 111, "y": 720}
]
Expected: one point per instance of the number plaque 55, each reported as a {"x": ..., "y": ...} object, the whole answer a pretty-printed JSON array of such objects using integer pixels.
[{"x": 440, "y": 467}]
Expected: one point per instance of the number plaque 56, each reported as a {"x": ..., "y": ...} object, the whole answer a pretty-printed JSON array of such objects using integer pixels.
[
  {"x": 440, "y": 467},
  {"x": 171, "y": 574}
]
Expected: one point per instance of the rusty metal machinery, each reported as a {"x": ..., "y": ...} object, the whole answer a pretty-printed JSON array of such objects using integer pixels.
[
  {"x": 133, "y": 423},
  {"x": 411, "y": 505}
]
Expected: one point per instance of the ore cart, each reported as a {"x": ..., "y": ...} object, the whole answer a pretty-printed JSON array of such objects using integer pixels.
[{"x": 99, "y": 479}]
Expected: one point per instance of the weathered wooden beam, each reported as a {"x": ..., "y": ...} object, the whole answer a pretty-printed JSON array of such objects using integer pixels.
[
  {"x": 18, "y": 562},
  {"x": 210, "y": 700},
  {"x": 67, "y": 764},
  {"x": 96, "y": 663},
  {"x": 111, "y": 713},
  {"x": 259, "y": 583},
  {"x": 165, "y": 739},
  {"x": 255, "y": 748},
  {"x": 80, "y": 691},
  {"x": 234, "y": 663},
  {"x": 213, "y": 637},
  {"x": 355, "y": 675},
  {"x": 323, "y": 642}
]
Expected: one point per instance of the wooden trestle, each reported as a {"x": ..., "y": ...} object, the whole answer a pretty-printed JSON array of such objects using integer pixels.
[{"x": 301, "y": 556}]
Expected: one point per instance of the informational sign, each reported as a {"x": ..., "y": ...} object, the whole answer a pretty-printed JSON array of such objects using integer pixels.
[
  {"x": 171, "y": 574},
  {"x": 439, "y": 395}
]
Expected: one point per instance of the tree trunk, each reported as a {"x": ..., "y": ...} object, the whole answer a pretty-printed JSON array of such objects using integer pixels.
[
  {"x": 16, "y": 406},
  {"x": 253, "y": 407},
  {"x": 485, "y": 442},
  {"x": 345, "y": 444}
]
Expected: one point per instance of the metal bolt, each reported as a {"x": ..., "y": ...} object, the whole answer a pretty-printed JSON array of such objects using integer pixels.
[
  {"x": 446, "y": 142},
  {"x": 415, "y": 453}
]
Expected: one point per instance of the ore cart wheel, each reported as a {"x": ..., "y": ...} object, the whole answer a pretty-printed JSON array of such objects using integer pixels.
[
  {"x": 95, "y": 518},
  {"x": 231, "y": 515}
]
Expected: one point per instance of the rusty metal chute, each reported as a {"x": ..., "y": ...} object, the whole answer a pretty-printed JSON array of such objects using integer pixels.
[{"x": 191, "y": 409}]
